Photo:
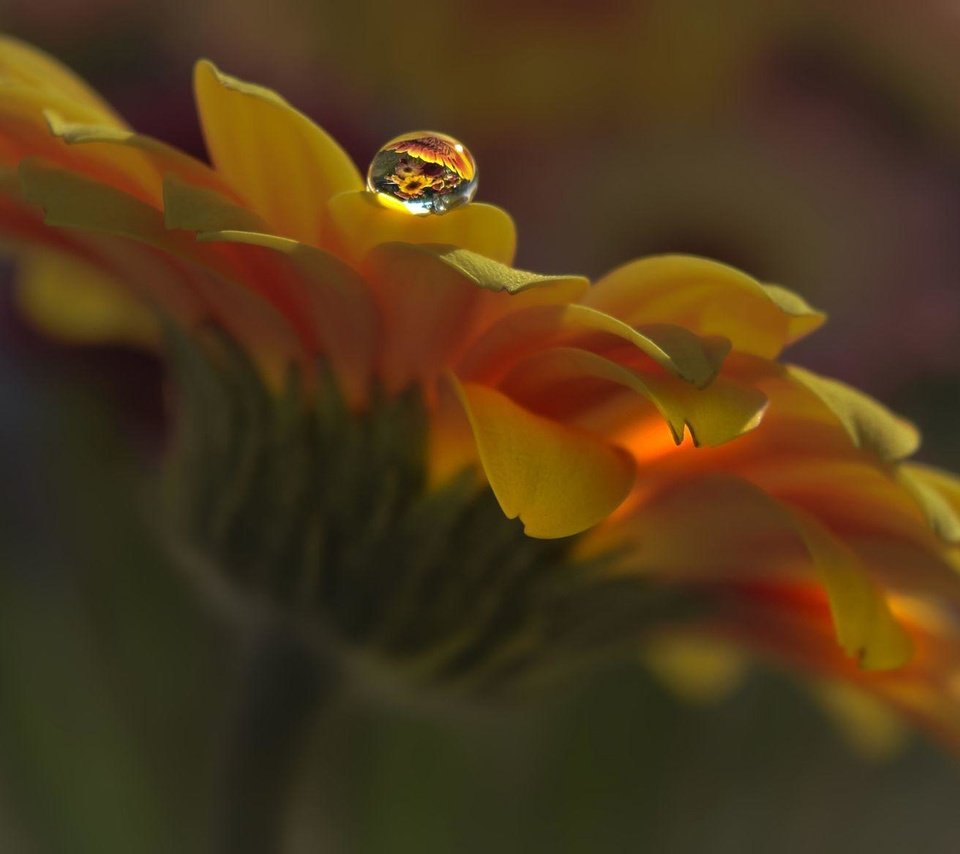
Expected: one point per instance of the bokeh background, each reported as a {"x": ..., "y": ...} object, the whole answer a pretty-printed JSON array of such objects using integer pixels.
[{"x": 813, "y": 143}]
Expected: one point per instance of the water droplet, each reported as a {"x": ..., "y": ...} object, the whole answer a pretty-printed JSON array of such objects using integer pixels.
[{"x": 423, "y": 172}]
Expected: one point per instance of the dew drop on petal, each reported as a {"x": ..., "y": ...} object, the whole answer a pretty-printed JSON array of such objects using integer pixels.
[{"x": 423, "y": 172}]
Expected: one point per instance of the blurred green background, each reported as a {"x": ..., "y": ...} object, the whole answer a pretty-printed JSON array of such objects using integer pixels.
[{"x": 815, "y": 144}]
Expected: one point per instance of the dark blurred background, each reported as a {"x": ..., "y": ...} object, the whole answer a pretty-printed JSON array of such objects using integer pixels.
[{"x": 815, "y": 144}]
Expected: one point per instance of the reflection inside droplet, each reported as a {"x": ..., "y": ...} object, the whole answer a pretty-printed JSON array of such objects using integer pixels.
[{"x": 424, "y": 172}]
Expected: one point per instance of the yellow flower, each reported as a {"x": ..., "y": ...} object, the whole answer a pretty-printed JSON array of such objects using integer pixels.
[
  {"x": 410, "y": 188},
  {"x": 642, "y": 430}
]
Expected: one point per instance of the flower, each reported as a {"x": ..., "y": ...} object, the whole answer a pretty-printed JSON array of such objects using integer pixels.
[
  {"x": 437, "y": 150},
  {"x": 410, "y": 188},
  {"x": 367, "y": 400},
  {"x": 408, "y": 168}
]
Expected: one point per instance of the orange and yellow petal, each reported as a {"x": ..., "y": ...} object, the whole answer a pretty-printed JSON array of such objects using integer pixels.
[
  {"x": 334, "y": 302},
  {"x": 435, "y": 299},
  {"x": 205, "y": 287}
]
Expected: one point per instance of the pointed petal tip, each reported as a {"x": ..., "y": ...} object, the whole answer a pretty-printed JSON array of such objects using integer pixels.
[{"x": 709, "y": 297}]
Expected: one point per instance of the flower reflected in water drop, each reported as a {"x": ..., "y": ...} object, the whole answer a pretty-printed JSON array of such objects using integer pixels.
[
  {"x": 431, "y": 172},
  {"x": 436, "y": 149},
  {"x": 411, "y": 187}
]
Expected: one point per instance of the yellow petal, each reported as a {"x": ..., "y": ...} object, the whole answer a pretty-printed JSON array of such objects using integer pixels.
[
  {"x": 716, "y": 414},
  {"x": 865, "y": 627},
  {"x": 70, "y": 300},
  {"x": 362, "y": 222},
  {"x": 697, "y": 669},
  {"x": 30, "y": 68},
  {"x": 282, "y": 164},
  {"x": 708, "y": 297},
  {"x": 870, "y": 425},
  {"x": 696, "y": 360},
  {"x": 558, "y": 481},
  {"x": 868, "y": 725},
  {"x": 938, "y": 494}
]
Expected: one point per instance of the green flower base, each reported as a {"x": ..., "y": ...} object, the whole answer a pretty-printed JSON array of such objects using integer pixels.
[{"x": 325, "y": 514}]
